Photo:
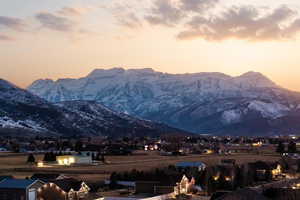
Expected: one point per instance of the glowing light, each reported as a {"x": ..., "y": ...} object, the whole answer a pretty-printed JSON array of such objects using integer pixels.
[
  {"x": 216, "y": 177},
  {"x": 40, "y": 164},
  {"x": 71, "y": 160},
  {"x": 257, "y": 144}
]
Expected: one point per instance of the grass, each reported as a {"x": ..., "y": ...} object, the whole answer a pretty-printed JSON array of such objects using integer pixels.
[{"x": 16, "y": 165}]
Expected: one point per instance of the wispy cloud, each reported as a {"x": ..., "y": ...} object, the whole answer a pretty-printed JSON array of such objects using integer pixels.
[
  {"x": 75, "y": 11},
  {"x": 12, "y": 23},
  {"x": 126, "y": 15},
  {"x": 130, "y": 20},
  {"x": 4, "y": 37},
  {"x": 55, "y": 22}
]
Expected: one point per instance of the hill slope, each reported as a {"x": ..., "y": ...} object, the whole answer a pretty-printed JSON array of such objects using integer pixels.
[{"x": 24, "y": 113}]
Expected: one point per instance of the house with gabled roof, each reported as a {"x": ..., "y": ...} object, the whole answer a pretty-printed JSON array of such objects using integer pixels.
[
  {"x": 64, "y": 189},
  {"x": 199, "y": 165},
  {"x": 46, "y": 177},
  {"x": 19, "y": 189}
]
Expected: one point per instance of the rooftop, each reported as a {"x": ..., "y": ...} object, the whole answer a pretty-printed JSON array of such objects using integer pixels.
[{"x": 16, "y": 183}]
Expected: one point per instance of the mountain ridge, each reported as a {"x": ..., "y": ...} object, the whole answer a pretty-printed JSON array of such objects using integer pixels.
[{"x": 196, "y": 102}]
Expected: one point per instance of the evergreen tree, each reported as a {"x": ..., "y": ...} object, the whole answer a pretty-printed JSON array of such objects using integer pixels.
[
  {"x": 280, "y": 147},
  {"x": 292, "y": 148},
  {"x": 113, "y": 180},
  {"x": 31, "y": 158},
  {"x": 222, "y": 184},
  {"x": 102, "y": 158},
  {"x": 211, "y": 186},
  {"x": 46, "y": 157},
  {"x": 268, "y": 175},
  {"x": 50, "y": 157},
  {"x": 78, "y": 146}
]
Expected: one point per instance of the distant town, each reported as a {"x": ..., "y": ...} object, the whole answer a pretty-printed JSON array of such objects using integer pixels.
[{"x": 167, "y": 167}]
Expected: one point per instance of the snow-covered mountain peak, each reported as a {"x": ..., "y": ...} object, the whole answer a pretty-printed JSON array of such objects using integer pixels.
[
  {"x": 98, "y": 73},
  {"x": 255, "y": 79}
]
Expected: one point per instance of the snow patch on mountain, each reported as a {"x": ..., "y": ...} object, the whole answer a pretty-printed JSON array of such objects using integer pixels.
[
  {"x": 269, "y": 110},
  {"x": 231, "y": 116},
  {"x": 6, "y": 122}
]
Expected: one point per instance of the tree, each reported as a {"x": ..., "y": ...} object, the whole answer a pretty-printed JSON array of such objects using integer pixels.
[
  {"x": 211, "y": 186},
  {"x": 280, "y": 148},
  {"x": 78, "y": 146},
  {"x": 292, "y": 148},
  {"x": 46, "y": 157},
  {"x": 31, "y": 158},
  {"x": 268, "y": 175},
  {"x": 113, "y": 180},
  {"x": 102, "y": 158}
]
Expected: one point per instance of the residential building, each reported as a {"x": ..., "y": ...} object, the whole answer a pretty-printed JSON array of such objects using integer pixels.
[{"x": 19, "y": 189}]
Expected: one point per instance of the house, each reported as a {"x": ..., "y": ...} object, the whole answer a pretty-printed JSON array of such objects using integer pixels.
[
  {"x": 5, "y": 177},
  {"x": 199, "y": 165},
  {"x": 265, "y": 170},
  {"x": 19, "y": 189},
  {"x": 3, "y": 149},
  {"x": 48, "y": 177},
  {"x": 64, "y": 189},
  {"x": 186, "y": 186},
  {"x": 152, "y": 187},
  {"x": 74, "y": 159}
]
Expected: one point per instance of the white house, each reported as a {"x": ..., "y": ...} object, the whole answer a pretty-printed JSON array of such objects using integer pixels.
[{"x": 74, "y": 159}]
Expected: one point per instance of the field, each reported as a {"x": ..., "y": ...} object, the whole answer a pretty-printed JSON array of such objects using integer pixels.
[{"x": 15, "y": 164}]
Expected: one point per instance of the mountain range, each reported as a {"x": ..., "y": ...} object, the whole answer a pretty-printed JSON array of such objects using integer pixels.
[
  {"x": 22, "y": 114},
  {"x": 208, "y": 103}
]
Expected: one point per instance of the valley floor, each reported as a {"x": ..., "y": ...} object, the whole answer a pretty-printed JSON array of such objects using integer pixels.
[{"x": 15, "y": 164}]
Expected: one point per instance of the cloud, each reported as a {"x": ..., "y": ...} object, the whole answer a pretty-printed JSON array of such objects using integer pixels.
[
  {"x": 55, "y": 22},
  {"x": 244, "y": 23},
  {"x": 165, "y": 12},
  {"x": 6, "y": 38},
  {"x": 12, "y": 23},
  {"x": 172, "y": 12},
  {"x": 129, "y": 20},
  {"x": 75, "y": 11},
  {"x": 198, "y": 5},
  {"x": 127, "y": 14}
]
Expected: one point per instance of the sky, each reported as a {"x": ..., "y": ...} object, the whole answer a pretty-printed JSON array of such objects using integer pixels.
[{"x": 69, "y": 38}]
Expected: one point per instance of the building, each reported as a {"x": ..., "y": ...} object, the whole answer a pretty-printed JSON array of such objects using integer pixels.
[
  {"x": 266, "y": 170},
  {"x": 199, "y": 165},
  {"x": 64, "y": 189},
  {"x": 19, "y": 189},
  {"x": 74, "y": 159},
  {"x": 48, "y": 177},
  {"x": 186, "y": 186},
  {"x": 5, "y": 177}
]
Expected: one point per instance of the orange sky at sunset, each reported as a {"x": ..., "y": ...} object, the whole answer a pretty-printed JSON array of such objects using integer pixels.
[{"x": 68, "y": 39}]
